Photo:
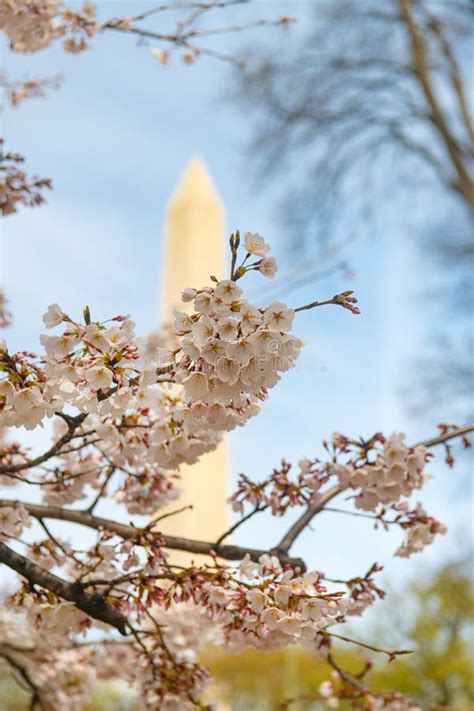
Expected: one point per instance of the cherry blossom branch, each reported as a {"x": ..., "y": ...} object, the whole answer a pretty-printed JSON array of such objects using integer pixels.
[
  {"x": 391, "y": 653},
  {"x": 358, "y": 514},
  {"x": 347, "y": 686},
  {"x": 58, "y": 545},
  {"x": 93, "y": 605},
  {"x": 345, "y": 675},
  {"x": 83, "y": 518},
  {"x": 312, "y": 510},
  {"x": 19, "y": 90},
  {"x": 187, "y": 30},
  {"x": 187, "y": 6},
  {"x": 168, "y": 514},
  {"x": 445, "y": 436},
  {"x": 15, "y": 185},
  {"x": 345, "y": 299},
  {"x": 60, "y": 480},
  {"x": 72, "y": 423},
  {"x": 256, "y": 510},
  {"x": 110, "y": 472},
  {"x": 305, "y": 519}
]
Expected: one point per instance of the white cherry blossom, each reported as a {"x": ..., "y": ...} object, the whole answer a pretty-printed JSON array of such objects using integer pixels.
[
  {"x": 268, "y": 267},
  {"x": 53, "y": 316},
  {"x": 255, "y": 244},
  {"x": 278, "y": 317}
]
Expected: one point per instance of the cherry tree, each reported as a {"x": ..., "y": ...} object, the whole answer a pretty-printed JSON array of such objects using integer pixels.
[{"x": 126, "y": 412}]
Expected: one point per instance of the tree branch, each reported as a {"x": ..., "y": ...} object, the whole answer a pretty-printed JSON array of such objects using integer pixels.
[
  {"x": 312, "y": 510},
  {"x": 83, "y": 518},
  {"x": 93, "y": 605},
  {"x": 458, "y": 432},
  {"x": 421, "y": 70},
  {"x": 455, "y": 73},
  {"x": 72, "y": 423},
  {"x": 237, "y": 524},
  {"x": 300, "y": 524}
]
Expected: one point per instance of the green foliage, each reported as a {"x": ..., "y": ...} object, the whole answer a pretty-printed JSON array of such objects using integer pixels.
[
  {"x": 440, "y": 670},
  {"x": 107, "y": 695},
  {"x": 257, "y": 680},
  {"x": 111, "y": 695},
  {"x": 12, "y": 695}
]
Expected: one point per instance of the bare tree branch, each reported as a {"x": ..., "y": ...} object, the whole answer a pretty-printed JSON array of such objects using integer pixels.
[
  {"x": 446, "y": 436},
  {"x": 455, "y": 71},
  {"x": 187, "y": 33},
  {"x": 305, "y": 519},
  {"x": 419, "y": 54},
  {"x": 72, "y": 424}
]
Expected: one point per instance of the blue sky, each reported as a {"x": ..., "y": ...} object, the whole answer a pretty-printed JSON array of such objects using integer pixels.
[{"x": 115, "y": 138}]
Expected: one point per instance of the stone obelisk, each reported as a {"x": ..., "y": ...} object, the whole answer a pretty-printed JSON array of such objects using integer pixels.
[{"x": 194, "y": 250}]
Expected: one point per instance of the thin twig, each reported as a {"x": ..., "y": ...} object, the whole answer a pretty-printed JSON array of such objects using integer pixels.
[
  {"x": 314, "y": 304},
  {"x": 391, "y": 653},
  {"x": 446, "y": 436},
  {"x": 93, "y": 605},
  {"x": 300, "y": 524},
  {"x": 186, "y": 6},
  {"x": 102, "y": 490},
  {"x": 358, "y": 514},
  {"x": 57, "y": 543},
  {"x": 72, "y": 422},
  {"x": 157, "y": 519},
  {"x": 237, "y": 525}
]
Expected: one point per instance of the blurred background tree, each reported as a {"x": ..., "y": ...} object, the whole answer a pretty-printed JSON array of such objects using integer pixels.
[
  {"x": 113, "y": 695},
  {"x": 362, "y": 91},
  {"x": 366, "y": 115},
  {"x": 441, "y": 633}
]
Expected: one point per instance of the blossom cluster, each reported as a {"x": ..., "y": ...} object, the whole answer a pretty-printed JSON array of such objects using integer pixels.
[
  {"x": 29, "y": 31},
  {"x": 31, "y": 26},
  {"x": 257, "y": 604},
  {"x": 13, "y": 519},
  {"x": 276, "y": 607},
  {"x": 280, "y": 491},
  {"x": 16, "y": 187},
  {"x": 232, "y": 351},
  {"x": 78, "y": 367},
  {"x": 420, "y": 529},
  {"x": 17, "y": 91},
  {"x": 63, "y": 675},
  {"x": 397, "y": 471},
  {"x": 339, "y": 688},
  {"x": 381, "y": 471},
  {"x": 149, "y": 409}
]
